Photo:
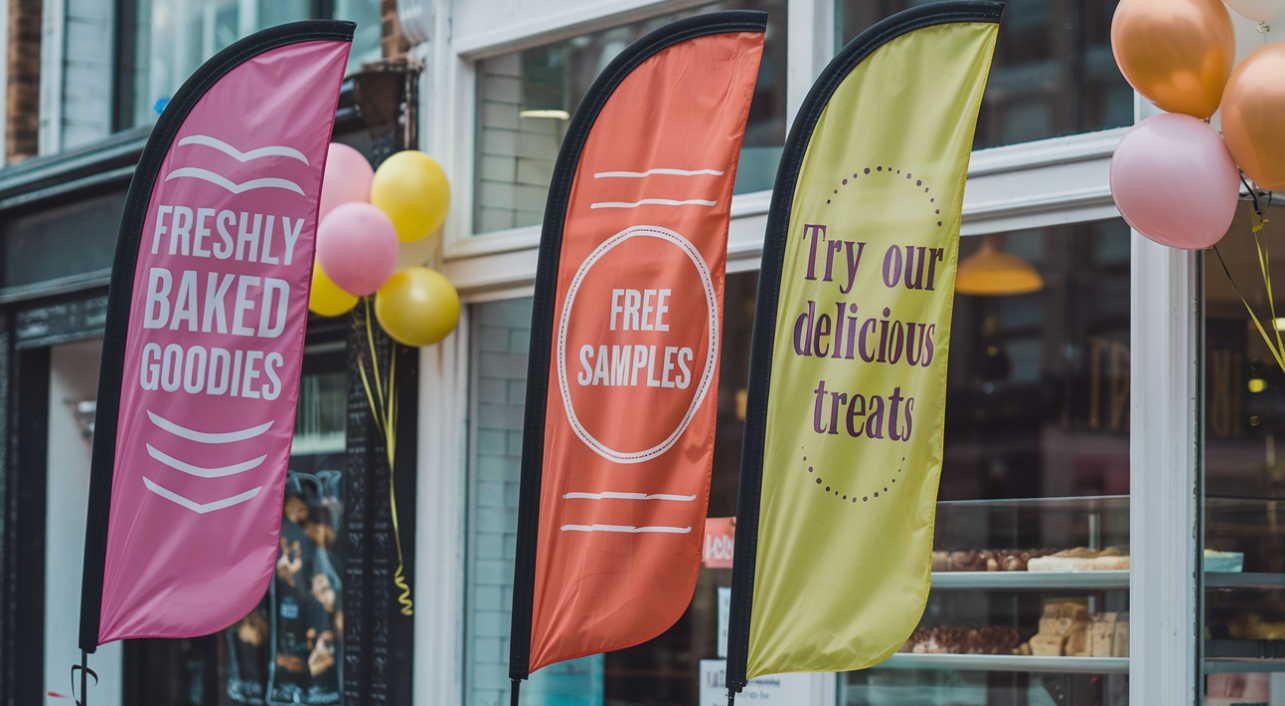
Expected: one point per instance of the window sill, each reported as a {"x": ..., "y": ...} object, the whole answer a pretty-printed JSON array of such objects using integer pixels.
[
  {"x": 1031, "y": 185},
  {"x": 39, "y": 178}
]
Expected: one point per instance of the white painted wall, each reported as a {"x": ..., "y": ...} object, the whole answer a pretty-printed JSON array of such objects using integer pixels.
[{"x": 73, "y": 377}]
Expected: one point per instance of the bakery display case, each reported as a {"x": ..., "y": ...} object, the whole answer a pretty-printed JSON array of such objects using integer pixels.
[
  {"x": 1244, "y": 587},
  {"x": 1029, "y": 605},
  {"x": 1029, "y": 602}
]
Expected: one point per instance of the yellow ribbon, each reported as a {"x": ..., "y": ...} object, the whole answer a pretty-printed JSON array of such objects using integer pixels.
[
  {"x": 1264, "y": 264},
  {"x": 385, "y": 415}
]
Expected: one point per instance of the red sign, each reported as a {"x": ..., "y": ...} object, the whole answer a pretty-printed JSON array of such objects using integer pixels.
[{"x": 720, "y": 538}]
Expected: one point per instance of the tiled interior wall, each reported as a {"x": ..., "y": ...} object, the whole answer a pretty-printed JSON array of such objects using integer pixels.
[
  {"x": 501, "y": 337},
  {"x": 515, "y": 155}
]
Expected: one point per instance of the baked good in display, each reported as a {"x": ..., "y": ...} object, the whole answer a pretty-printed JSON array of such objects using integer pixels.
[
  {"x": 1082, "y": 559},
  {"x": 1067, "y": 630},
  {"x": 987, "y": 559},
  {"x": 962, "y": 640}
]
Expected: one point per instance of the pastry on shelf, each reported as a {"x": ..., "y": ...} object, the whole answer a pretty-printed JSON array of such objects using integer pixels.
[
  {"x": 987, "y": 559},
  {"x": 1252, "y": 627},
  {"x": 1083, "y": 559},
  {"x": 962, "y": 640},
  {"x": 1067, "y": 630}
]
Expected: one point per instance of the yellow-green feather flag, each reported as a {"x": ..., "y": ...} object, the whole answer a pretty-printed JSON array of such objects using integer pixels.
[{"x": 847, "y": 394}]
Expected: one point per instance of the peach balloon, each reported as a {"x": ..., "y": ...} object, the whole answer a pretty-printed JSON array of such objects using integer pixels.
[
  {"x": 1176, "y": 53},
  {"x": 1254, "y": 116}
]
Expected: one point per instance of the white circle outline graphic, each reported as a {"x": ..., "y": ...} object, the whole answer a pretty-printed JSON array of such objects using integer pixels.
[{"x": 711, "y": 300}]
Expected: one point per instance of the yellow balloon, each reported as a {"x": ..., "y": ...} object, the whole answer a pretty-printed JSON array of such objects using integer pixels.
[
  {"x": 417, "y": 307},
  {"x": 411, "y": 188},
  {"x": 326, "y": 298}
]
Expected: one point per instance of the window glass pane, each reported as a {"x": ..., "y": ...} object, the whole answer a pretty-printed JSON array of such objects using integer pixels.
[
  {"x": 525, "y": 100},
  {"x": 365, "y": 41},
  {"x": 174, "y": 37},
  {"x": 1036, "y": 463},
  {"x": 1032, "y": 530},
  {"x": 665, "y": 670},
  {"x": 1053, "y": 73},
  {"x": 1244, "y": 482},
  {"x": 169, "y": 39}
]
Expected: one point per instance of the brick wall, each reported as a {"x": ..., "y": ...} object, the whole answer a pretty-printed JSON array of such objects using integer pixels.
[
  {"x": 22, "y": 102},
  {"x": 390, "y": 36}
]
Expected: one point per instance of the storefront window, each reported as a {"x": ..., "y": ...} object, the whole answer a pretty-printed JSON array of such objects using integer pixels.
[
  {"x": 1244, "y": 482},
  {"x": 665, "y": 670},
  {"x": 1032, "y": 545},
  {"x": 1053, "y": 73},
  {"x": 164, "y": 41},
  {"x": 289, "y": 649},
  {"x": 525, "y": 101},
  {"x": 1031, "y": 553}
]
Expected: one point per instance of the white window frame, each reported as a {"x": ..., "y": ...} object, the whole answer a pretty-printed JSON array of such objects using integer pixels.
[
  {"x": 53, "y": 23},
  {"x": 1051, "y": 182}
]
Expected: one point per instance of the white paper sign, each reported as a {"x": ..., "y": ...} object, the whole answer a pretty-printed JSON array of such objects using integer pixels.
[
  {"x": 763, "y": 691},
  {"x": 724, "y": 608}
]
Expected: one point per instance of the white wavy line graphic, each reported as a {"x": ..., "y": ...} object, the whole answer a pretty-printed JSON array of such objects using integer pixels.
[
  {"x": 220, "y": 180},
  {"x": 625, "y": 529},
  {"x": 196, "y": 507},
  {"x": 655, "y": 202},
  {"x": 207, "y": 437},
  {"x": 238, "y": 155},
  {"x": 649, "y": 172},
  {"x": 625, "y": 496},
  {"x": 203, "y": 472}
]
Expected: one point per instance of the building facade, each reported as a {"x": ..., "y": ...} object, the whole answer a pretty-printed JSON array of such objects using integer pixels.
[{"x": 1125, "y": 409}]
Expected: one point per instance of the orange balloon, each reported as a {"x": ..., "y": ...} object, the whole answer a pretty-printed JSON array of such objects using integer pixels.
[
  {"x": 1254, "y": 116},
  {"x": 1177, "y": 53}
]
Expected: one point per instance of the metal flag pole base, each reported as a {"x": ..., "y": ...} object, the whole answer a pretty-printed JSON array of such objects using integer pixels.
[
  {"x": 517, "y": 688},
  {"x": 85, "y": 673}
]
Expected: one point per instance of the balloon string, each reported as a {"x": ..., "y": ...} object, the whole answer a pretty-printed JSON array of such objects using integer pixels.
[
  {"x": 1253, "y": 195},
  {"x": 1276, "y": 353},
  {"x": 386, "y": 422}
]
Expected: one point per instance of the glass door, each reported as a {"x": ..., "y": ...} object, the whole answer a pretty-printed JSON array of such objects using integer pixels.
[{"x": 1244, "y": 484}]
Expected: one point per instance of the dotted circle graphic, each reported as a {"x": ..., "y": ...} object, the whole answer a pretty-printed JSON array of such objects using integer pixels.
[
  {"x": 889, "y": 172},
  {"x": 707, "y": 376},
  {"x": 853, "y": 497}
]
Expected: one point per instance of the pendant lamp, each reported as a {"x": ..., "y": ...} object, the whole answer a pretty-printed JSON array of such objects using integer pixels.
[{"x": 992, "y": 272}]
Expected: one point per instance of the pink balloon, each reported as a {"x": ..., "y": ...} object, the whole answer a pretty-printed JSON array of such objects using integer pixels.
[
  {"x": 347, "y": 178},
  {"x": 357, "y": 247},
  {"x": 1175, "y": 182}
]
